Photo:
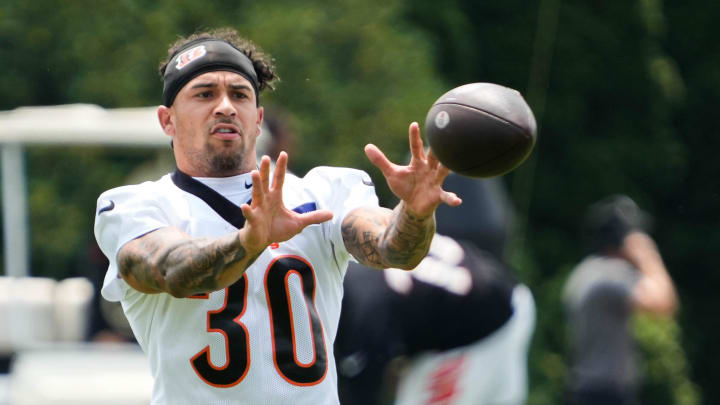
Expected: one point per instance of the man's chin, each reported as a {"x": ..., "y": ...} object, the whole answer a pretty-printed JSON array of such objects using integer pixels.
[{"x": 226, "y": 164}]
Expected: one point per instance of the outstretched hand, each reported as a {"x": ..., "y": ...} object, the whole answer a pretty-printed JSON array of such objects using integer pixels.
[
  {"x": 267, "y": 219},
  {"x": 419, "y": 184}
]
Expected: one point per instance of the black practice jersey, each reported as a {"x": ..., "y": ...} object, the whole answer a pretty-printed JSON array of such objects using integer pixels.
[{"x": 456, "y": 296}]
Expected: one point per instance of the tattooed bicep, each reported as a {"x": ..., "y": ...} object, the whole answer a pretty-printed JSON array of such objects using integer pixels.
[
  {"x": 137, "y": 260},
  {"x": 362, "y": 229}
]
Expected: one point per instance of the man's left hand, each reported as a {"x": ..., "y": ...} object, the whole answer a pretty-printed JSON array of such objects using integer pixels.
[{"x": 419, "y": 184}]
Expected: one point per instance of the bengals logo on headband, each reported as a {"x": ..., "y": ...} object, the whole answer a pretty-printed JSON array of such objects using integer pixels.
[{"x": 190, "y": 55}]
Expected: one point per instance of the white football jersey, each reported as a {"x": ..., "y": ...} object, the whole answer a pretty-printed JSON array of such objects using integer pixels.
[{"x": 268, "y": 338}]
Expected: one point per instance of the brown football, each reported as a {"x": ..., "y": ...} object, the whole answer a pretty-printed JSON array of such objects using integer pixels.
[{"x": 481, "y": 129}]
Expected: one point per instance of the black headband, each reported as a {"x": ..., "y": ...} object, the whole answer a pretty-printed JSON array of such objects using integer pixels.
[{"x": 202, "y": 56}]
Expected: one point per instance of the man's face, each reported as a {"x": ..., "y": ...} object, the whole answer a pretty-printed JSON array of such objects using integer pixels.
[{"x": 214, "y": 122}]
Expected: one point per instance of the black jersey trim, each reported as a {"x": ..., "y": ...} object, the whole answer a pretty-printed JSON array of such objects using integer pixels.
[{"x": 224, "y": 207}]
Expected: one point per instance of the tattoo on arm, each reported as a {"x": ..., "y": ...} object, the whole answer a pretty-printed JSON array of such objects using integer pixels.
[
  {"x": 170, "y": 261},
  {"x": 360, "y": 231},
  {"x": 384, "y": 238},
  {"x": 407, "y": 239}
]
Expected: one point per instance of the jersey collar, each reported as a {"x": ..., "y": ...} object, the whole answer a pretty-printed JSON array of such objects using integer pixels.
[{"x": 221, "y": 205}]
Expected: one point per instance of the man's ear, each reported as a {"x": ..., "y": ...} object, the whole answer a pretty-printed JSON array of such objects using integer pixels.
[
  {"x": 166, "y": 122},
  {"x": 261, "y": 112}
]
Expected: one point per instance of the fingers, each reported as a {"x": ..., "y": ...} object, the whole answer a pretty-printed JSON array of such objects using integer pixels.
[
  {"x": 450, "y": 199},
  {"x": 447, "y": 197},
  {"x": 416, "y": 143},
  {"x": 432, "y": 159},
  {"x": 257, "y": 191},
  {"x": 265, "y": 173},
  {"x": 315, "y": 217},
  {"x": 280, "y": 169},
  {"x": 442, "y": 173},
  {"x": 247, "y": 211},
  {"x": 261, "y": 178},
  {"x": 379, "y": 159}
]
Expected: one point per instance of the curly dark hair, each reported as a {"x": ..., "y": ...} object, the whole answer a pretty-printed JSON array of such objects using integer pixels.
[{"x": 262, "y": 62}]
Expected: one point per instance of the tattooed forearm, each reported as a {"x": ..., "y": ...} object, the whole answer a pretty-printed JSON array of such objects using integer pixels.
[
  {"x": 361, "y": 230},
  {"x": 182, "y": 266},
  {"x": 196, "y": 265},
  {"x": 407, "y": 238},
  {"x": 384, "y": 238}
]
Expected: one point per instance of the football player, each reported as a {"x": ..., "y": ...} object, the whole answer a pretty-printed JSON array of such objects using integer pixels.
[{"x": 230, "y": 275}]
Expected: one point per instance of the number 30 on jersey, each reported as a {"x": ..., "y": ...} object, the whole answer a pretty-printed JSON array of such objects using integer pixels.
[{"x": 226, "y": 320}]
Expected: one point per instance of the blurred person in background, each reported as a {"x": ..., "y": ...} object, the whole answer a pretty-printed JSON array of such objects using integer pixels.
[
  {"x": 232, "y": 280},
  {"x": 455, "y": 330},
  {"x": 623, "y": 273}
]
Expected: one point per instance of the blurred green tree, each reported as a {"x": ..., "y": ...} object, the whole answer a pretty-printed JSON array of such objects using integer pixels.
[{"x": 663, "y": 363}]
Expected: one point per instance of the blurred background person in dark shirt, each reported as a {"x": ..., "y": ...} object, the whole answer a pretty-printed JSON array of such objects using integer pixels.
[{"x": 623, "y": 273}]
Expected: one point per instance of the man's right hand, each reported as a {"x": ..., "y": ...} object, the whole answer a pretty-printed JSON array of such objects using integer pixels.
[{"x": 267, "y": 219}]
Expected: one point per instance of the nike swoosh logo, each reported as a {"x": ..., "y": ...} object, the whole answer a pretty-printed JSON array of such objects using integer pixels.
[
  {"x": 108, "y": 207},
  {"x": 368, "y": 182},
  {"x": 248, "y": 185}
]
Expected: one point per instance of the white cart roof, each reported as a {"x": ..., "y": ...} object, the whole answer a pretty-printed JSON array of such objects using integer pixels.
[
  {"x": 72, "y": 124},
  {"x": 82, "y": 124}
]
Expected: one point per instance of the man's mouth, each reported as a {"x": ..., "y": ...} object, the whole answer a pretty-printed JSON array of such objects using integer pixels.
[{"x": 225, "y": 131}]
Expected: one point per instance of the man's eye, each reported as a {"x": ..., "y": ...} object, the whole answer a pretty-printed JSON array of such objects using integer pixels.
[
  {"x": 241, "y": 95},
  {"x": 205, "y": 94}
]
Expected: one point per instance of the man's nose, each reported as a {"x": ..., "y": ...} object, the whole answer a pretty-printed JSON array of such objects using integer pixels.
[{"x": 225, "y": 107}]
